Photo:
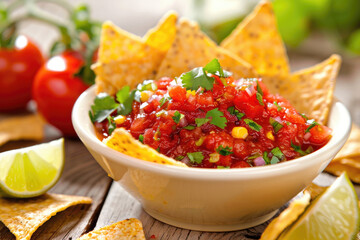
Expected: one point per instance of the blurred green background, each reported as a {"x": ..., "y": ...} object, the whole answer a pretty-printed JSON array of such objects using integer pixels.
[{"x": 339, "y": 20}]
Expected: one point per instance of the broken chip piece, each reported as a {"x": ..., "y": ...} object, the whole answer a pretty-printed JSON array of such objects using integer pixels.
[
  {"x": 129, "y": 229},
  {"x": 28, "y": 127},
  {"x": 23, "y": 216}
]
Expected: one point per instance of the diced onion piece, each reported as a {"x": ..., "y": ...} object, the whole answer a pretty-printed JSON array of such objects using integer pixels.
[{"x": 259, "y": 161}]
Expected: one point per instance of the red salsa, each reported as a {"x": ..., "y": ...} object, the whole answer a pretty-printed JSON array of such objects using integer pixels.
[{"x": 206, "y": 118}]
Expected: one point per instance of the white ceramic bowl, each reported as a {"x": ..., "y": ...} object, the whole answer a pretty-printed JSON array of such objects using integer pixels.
[{"x": 210, "y": 199}]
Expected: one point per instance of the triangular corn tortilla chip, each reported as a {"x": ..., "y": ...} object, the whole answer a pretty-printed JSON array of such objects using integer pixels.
[
  {"x": 162, "y": 36},
  {"x": 286, "y": 218},
  {"x": 28, "y": 127},
  {"x": 23, "y": 216},
  {"x": 349, "y": 165},
  {"x": 129, "y": 229},
  {"x": 124, "y": 59},
  {"x": 122, "y": 141},
  {"x": 352, "y": 145},
  {"x": 257, "y": 40},
  {"x": 192, "y": 48},
  {"x": 311, "y": 90},
  {"x": 314, "y": 190}
]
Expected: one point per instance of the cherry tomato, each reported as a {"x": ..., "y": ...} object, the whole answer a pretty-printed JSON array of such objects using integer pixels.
[
  {"x": 18, "y": 67},
  {"x": 56, "y": 89},
  {"x": 320, "y": 135}
]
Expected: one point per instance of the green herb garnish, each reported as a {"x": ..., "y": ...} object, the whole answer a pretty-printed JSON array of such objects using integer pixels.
[
  {"x": 259, "y": 93},
  {"x": 274, "y": 160},
  {"x": 222, "y": 167},
  {"x": 177, "y": 116},
  {"x": 299, "y": 150},
  {"x": 195, "y": 157},
  {"x": 179, "y": 158},
  {"x": 224, "y": 150},
  {"x": 164, "y": 100},
  {"x": 141, "y": 138},
  {"x": 232, "y": 110},
  {"x": 266, "y": 158},
  {"x": 276, "y": 152},
  {"x": 103, "y": 106},
  {"x": 215, "y": 68},
  {"x": 277, "y": 106},
  {"x": 112, "y": 125},
  {"x": 189, "y": 127},
  {"x": 197, "y": 78},
  {"x": 253, "y": 125},
  {"x": 276, "y": 125},
  {"x": 312, "y": 124},
  {"x": 201, "y": 121},
  {"x": 217, "y": 118}
]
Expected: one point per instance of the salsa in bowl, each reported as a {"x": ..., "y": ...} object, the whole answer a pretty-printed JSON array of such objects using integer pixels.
[{"x": 211, "y": 199}]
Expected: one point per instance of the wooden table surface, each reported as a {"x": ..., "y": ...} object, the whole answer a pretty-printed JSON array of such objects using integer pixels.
[
  {"x": 111, "y": 203},
  {"x": 83, "y": 176}
]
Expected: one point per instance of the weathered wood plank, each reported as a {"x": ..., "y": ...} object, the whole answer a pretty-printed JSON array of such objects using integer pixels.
[
  {"x": 119, "y": 205},
  {"x": 81, "y": 176}
]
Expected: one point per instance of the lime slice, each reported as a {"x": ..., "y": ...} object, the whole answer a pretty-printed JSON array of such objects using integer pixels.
[
  {"x": 31, "y": 171},
  {"x": 332, "y": 215}
]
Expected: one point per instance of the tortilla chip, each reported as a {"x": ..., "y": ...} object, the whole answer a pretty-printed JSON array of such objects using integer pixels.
[
  {"x": 286, "y": 218},
  {"x": 311, "y": 90},
  {"x": 162, "y": 36},
  {"x": 257, "y": 40},
  {"x": 352, "y": 145},
  {"x": 122, "y": 141},
  {"x": 28, "y": 127},
  {"x": 192, "y": 48},
  {"x": 123, "y": 230},
  {"x": 338, "y": 167},
  {"x": 124, "y": 59},
  {"x": 24, "y": 216},
  {"x": 314, "y": 190}
]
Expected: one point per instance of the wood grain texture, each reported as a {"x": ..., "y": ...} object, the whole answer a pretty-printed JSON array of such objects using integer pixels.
[
  {"x": 81, "y": 176},
  {"x": 120, "y": 205}
]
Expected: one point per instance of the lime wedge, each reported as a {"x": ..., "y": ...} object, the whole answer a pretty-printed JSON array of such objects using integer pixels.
[
  {"x": 332, "y": 215},
  {"x": 31, "y": 171}
]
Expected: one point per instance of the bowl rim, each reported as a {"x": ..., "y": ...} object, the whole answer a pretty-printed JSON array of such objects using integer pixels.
[{"x": 90, "y": 140}]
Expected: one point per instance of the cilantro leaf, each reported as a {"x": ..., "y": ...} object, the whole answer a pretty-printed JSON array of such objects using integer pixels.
[
  {"x": 111, "y": 125},
  {"x": 179, "y": 158},
  {"x": 195, "y": 157},
  {"x": 299, "y": 150},
  {"x": 259, "y": 94},
  {"x": 235, "y": 112},
  {"x": 197, "y": 78},
  {"x": 277, "y": 106},
  {"x": 164, "y": 100},
  {"x": 224, "y": 151},
  {"x": 217, "y": 118},
  {"x": 312, "y": 124},
  {"x": 266, "y": 157},
  {"x": 253, "y": 125},
  {"x": 190, "y": 127},
  {"x": 215, "y": 68},
  {"x": 201, "y": 121},
  {"x": 277, "y": 153},
  {"x": 276, "y": 125},
  {"x": 126, "y": 103},
  {"x": 274, "y": 160},
  {"x": 141, "y": 138},
  {"x": 123, "y": 94},
  {"x": 103, "y": 106},
  {"x": 177, "y": 116}
]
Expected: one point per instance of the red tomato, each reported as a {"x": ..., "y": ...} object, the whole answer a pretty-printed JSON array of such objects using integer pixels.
[
  {"x": 18, "y": 67},
  {"x": 320, "y": 135},
  {"x": 56, "y": 89}
]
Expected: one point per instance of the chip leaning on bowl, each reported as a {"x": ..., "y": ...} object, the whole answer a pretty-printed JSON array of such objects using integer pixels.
[{"x": 206, "y": 118}]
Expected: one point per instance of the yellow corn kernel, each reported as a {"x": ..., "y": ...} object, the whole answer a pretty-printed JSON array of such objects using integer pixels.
[
  {"x": 270, "y": 136},
  {"x": 192, "y": 92},
  {"x": 145, "y": 95},
  {"x": 119, "y": 119},
  {"x": 214, "y": 157},
  {"x": 200, "y": 141},
  {"x": 239, "y": 132}
]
